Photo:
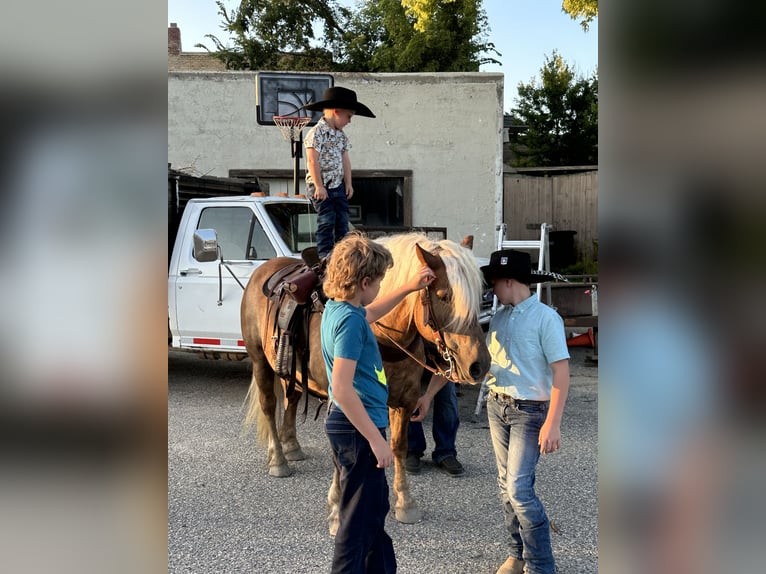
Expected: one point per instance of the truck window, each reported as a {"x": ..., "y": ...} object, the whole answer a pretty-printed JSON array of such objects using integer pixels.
[
  {"x": 259, "y": 246},
  {"x": 240, "y": 234},
  {"x": 296, "y": 224}
]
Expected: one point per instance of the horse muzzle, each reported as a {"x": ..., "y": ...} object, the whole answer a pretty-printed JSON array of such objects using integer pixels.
[{"x": 476, "y": 365}]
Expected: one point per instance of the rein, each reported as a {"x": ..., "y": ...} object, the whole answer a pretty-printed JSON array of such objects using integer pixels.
[{"x": 429, "y": 320}]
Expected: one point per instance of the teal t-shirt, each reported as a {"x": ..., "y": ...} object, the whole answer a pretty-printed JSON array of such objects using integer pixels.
[{"x": 347, "y": 334}]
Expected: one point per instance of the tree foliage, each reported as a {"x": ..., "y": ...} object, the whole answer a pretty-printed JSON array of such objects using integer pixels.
[
  {"x": 584, "y": 10},
  {"x": 418, "y": 36},
  {"x": 279, "y": 35},
  {"x": 561, "y": 118},
  {"x": 379, "y": 36}
]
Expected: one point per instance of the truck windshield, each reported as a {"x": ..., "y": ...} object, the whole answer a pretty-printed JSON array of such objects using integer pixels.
[{"x": 295, "y": 222}]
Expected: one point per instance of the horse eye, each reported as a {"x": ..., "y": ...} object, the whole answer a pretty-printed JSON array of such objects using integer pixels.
[{"x": 444, "y": 294}]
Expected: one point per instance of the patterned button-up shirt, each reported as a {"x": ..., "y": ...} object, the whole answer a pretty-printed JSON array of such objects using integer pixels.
[{"x": 330, "y": 144}]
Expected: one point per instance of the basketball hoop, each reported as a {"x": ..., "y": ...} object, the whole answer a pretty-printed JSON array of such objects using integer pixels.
[{"x": 291, "y": 126}]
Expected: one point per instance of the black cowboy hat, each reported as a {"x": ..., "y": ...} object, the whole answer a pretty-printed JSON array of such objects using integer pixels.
[
  {"x": 341, "y": 99},
  {"x": 512, "y": 264}
]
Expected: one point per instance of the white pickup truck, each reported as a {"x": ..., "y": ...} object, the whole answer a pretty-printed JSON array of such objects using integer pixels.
[{"x": 219, "y": 243}]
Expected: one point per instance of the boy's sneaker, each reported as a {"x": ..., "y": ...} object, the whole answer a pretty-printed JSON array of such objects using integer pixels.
[
  {"x": 412, "y": 463},
  {"x": 451, "y": 466}
]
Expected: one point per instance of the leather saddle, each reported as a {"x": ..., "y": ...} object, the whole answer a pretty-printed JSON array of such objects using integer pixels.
[
  {"x": 298, "y": 279},
  {"x": 294, "y": 292}
]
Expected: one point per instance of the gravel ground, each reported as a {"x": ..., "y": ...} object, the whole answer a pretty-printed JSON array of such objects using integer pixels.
[{"x": 225, "y": 514}]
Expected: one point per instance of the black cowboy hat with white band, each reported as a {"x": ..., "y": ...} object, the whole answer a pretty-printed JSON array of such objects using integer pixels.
[
  {"x": 512, "y": 264},
  {"x": 340, "y": 99}
]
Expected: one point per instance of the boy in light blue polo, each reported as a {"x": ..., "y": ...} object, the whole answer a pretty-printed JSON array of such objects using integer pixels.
[{"x": 528, "y": 384}]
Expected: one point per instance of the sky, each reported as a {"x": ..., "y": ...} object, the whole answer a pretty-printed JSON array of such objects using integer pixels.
[{"x": 523, "y": 31}]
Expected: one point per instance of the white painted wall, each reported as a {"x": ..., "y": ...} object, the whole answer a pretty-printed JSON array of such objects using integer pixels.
[{"x": 446, "y": 128}]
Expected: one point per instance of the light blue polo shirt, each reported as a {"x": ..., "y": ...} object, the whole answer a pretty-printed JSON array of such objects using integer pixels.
[{"x": 523, "y": 341}]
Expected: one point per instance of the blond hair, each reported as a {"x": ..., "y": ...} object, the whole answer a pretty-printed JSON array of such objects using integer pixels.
[
  {"x": 352, "y": 259},
  {"x": 463, "y": 273}
]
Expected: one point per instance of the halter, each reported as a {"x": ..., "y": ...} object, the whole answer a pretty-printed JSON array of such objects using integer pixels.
[{"x": 429, "y": 320}]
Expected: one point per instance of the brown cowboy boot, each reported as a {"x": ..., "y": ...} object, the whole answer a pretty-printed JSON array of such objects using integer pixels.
[{"x": 511, "y": 566}]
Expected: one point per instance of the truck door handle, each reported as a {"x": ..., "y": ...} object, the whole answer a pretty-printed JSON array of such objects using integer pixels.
[{"x": 191, "y": 271}]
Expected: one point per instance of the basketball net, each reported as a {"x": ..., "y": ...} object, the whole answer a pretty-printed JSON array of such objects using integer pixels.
[{"x": 291, "y": 126}]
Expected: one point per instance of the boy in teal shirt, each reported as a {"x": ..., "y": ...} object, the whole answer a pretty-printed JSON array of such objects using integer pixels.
[{"x": 358, "y": 415}]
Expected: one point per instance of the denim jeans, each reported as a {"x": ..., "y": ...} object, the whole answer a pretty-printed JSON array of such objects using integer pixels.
[
  {"x": 446, "y": 420},
  {"x": 332, "y": 218},
  {"x": 514, "y": 430},
  {"x": 362, "y": 545}
]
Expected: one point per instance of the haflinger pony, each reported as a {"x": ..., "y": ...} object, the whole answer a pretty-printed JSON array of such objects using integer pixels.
[{"x": 443, "y": 317}]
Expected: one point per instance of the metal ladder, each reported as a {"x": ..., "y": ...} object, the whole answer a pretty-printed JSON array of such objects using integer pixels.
[{"x": 542, "y": 247}]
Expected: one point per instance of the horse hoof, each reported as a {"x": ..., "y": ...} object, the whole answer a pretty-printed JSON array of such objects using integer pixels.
[
  {"x": 296, "y": 454},
  {"x": 280, "y": 471},
  {"x": 409, "y": 515}
]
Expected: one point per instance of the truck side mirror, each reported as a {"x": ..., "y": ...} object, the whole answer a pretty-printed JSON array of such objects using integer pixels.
[{"x": 205, "y": 245}]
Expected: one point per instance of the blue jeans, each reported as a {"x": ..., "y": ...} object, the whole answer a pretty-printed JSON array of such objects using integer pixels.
[
  {"x": 362, "y": 545},
  {"x": 446, "y": 420},
  {"x": 332, "y": 218},
  {"x": 514, "y": 430}
]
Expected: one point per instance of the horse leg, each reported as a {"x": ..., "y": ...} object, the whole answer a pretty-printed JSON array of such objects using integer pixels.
[
  {"x": 333, "y": 503},
  {"x": 287, "y": 434},
  {"x": 263, "y": 376},
  {"x": 406, "y": 509}
]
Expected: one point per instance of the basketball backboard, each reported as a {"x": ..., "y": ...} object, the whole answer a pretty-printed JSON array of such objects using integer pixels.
[{"x": 283, "y": 94}]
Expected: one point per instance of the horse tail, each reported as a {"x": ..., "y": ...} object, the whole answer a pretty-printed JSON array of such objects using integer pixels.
[{"x": 254, "y": 415}]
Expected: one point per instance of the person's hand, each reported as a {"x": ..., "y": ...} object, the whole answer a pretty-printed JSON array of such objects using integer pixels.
[
  {"x": 320, "y": 193},
  {"x": 421, "y": 408},
  {"x": 382, "y": 451},
  {"x": 423, "y": 278},
  {"x": 349, "y": 192},
  {"x": 549, "y": 438}
]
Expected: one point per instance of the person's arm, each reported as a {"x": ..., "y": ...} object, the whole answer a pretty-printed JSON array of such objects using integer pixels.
[
  {"x": 435, "y": 385},
  {"x": 312, "y": 163},
  {"x": 381, "y": 306},
  {"x": 349, "y": 402},
  {"x": 347, "y": 179},
  {"x": 550, "y": 433}
]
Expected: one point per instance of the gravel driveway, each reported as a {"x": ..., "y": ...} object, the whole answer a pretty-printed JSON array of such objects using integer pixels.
[{"x": 225, "y": 514}]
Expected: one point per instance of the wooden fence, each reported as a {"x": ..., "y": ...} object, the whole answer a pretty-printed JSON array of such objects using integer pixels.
[{"x": 569, "y": 202}]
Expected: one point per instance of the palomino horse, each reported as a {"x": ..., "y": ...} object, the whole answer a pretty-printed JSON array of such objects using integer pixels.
[{"x": 444, "y": 315}]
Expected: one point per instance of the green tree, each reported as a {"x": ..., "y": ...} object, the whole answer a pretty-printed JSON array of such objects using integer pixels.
[
  {"x": 561, "y": 118},
  {"x": 279, "y": 35},
  {"x": 584, "y": 10},
  {"x": 379, "y": 36},
  {"x": 418, "y": 36}
]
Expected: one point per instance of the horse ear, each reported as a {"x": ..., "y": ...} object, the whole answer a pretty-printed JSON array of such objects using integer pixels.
[
  {"x": 467, "y": 242},
  {"x": 433, "y": 261}
]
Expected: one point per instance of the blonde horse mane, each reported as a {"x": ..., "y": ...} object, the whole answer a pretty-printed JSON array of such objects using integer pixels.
[{"x": 462, "y": 272}]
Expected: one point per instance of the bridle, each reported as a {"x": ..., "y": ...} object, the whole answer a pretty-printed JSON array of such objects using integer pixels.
[{"x": 429, "y": 320}]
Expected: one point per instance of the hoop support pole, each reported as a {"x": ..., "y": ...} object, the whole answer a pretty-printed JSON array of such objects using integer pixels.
[{"x": 297, "y": 153}]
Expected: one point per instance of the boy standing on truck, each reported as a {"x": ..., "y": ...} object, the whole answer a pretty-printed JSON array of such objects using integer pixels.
[{"x": 328, "y": 173}]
